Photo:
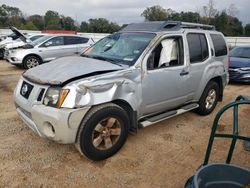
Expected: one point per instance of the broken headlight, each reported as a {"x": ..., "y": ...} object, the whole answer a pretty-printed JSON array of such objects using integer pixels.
[
  {"x": 55, "y": 97},
  {"x": 52, "y": 96}
]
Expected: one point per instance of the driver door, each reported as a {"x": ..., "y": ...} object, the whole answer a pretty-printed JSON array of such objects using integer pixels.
[{"x": 52, "y": 49}]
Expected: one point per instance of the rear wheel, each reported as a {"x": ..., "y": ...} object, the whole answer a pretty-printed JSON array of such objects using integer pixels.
[
  {"x": 208, "y": 99},
  {"x": 31, "y": 61},
  {"x": 103, "y": 131}
]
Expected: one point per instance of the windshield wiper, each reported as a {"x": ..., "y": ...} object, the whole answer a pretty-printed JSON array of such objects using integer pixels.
[{"x": 113, "y": 61}]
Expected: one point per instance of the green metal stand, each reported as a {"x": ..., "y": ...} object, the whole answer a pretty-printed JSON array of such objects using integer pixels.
[{"x": 234, "y": 136}]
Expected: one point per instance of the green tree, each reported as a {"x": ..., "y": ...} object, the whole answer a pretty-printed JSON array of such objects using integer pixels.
[
  {"x": 29, "y": 26},
  {"x": 156, "y": 13},
  {"x": 185, "y": 17},
  {"x": 37, "y": 20},
  {"x": 247, "y": 30},
  {"x": 68, "y": 23},
  {"x": 52, "y": 20},
  {"x": 84, "y": 27},
  {"x": 10, "y": 16},
  {"x": 228, "y": 25},
  {"x": 102, "y": 25}
]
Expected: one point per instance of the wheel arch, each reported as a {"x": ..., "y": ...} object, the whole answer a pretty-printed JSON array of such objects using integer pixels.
[
  {"x": 32, "y": 54},
  {"x": 131, "y": 113},
  {"x": 218, "y": 80}
]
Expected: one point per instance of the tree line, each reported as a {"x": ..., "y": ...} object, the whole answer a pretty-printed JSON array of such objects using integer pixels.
[{"x": 225, "y": 21}]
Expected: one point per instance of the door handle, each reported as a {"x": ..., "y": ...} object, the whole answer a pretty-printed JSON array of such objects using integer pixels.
[{"x": 183, "y": 73}]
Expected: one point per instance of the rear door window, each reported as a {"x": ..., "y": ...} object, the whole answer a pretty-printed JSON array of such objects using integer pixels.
[
  {"x": 220, "y": 46},
  {"x": 198, "y": 48}
]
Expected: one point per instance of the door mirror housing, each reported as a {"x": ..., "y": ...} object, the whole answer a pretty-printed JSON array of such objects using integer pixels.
[{"x": 47, "y": 44}]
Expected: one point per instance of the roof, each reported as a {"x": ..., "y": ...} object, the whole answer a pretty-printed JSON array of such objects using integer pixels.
[{"x": 156, "y": 26}]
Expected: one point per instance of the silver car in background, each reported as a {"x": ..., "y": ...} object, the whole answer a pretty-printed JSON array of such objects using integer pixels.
[{"x": 47, "y": 48}]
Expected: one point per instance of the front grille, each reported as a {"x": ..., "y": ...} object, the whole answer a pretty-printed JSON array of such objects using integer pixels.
[
  {"x": 233, "y": 72},
  {"x": 6, "y": 53},
  {"x": 40, "y": 96},
  {"x": 2, "y": 53}
]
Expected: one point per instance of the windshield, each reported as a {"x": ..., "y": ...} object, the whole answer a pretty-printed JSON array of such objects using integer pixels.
[
  {"x": 122, "y": 48},
  {"x": 35, "y": 37},
  {"x": 41, "y": 39},
  {"x": 243, "y": 52}
]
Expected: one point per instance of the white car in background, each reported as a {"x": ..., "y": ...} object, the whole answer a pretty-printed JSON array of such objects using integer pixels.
[
  {"x": 29, "y": 38},
  {"x": 47, "y": 48},
  {"x": 15, "y": 40}
]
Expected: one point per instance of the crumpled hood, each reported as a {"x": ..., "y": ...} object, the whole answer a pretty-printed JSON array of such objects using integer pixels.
[
  {"x": 238, "y": 62},
  {"x": 63, "y": 69}
]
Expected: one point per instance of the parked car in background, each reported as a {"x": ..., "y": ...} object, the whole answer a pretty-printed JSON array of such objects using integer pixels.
[
  {"x": 9, "y": 39},
  {"x": 16, "y": 39},
  {"x": 143, "y": 74},
  {"x": 239, "y": 64},
  {"x": 47, "y": 48},
  {"x": 18, "y": 43}
]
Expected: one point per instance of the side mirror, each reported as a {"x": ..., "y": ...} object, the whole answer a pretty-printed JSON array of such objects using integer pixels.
[{"x": 47, "y": 44}]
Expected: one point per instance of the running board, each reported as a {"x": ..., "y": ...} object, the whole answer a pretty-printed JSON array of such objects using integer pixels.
[{"x": 165, "y": 115}]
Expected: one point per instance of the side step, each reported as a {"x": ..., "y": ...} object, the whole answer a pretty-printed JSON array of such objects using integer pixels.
[{"x": 165, "y": 115}]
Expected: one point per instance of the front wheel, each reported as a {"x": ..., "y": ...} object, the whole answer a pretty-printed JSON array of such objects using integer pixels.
[
  {"x": 31, "y": 61},
  {"x": 103, "y": 131},
  {"x": 209, "y": 99}
]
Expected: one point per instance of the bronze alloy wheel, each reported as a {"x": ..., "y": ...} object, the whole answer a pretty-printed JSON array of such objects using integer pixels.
[
  {"x": 211, "y": 97},
  {"x": 106, "y": 133},
  {"x": 103, "y": 131}
]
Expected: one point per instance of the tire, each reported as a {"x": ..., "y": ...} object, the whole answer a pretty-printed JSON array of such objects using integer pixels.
[
  {"x": 208, "y": 101},
  {"x": 101, "y": 122},
  {"x": 31, "y": 61}
]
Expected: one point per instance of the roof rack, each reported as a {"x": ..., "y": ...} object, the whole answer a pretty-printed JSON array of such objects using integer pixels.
[{"x": 166, "y": 26}]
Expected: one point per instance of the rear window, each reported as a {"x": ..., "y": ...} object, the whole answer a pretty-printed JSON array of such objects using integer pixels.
[
  {"x": 220, "y": 46},
  {"x": 198, "y": 48}
]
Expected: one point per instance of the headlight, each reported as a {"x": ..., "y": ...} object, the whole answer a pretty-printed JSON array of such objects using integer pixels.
[{"x": 55, "y": 96}]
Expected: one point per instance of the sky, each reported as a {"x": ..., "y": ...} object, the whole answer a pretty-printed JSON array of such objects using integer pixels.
[{"x": 120, "y": 11}]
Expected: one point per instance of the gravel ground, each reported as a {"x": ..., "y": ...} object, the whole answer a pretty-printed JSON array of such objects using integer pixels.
[{"x": 162, "y": 155}]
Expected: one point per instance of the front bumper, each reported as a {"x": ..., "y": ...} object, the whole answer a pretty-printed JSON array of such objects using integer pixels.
[
  {"x": 239, "y": 76},
  {"x": 57, "y": 124},
  {"x": 13, "y": 60}
]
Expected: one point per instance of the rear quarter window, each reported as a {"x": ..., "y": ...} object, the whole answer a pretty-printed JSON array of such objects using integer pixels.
[
  {"x": 82, "y": 40},
  {"x": 220, "y": 46},
  {"x": 70, "y": 40}
]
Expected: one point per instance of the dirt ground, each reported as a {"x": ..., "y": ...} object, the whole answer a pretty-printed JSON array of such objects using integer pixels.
[{"x": 162, "y": 155}]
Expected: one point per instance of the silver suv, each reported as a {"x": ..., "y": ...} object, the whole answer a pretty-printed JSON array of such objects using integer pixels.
[
  {"x": 47, "y": 48},
  {"x": 134, "y": 78}
]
